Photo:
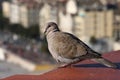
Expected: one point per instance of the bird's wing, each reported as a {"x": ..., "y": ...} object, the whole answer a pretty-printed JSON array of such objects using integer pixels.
[
  {"x": 69, "y": 46},
  {"x": 90, "y": 51}
]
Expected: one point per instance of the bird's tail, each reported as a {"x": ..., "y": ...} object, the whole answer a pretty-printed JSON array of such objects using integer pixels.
[{"x": 105, "y": 62}]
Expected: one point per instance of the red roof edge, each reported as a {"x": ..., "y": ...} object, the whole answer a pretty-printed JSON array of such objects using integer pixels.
[{"x": 85, "y": 70}]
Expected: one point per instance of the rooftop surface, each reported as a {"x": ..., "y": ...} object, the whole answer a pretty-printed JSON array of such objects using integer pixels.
[{"x": 85, "y": 70}]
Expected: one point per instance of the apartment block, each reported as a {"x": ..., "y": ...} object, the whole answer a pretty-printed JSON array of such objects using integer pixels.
[
  {"x": 14, "y": 13},
  {"x": 23, "y": 12},
  {"x": 29, "y": 16},
  {"x": 6, "y": 9},
  {"x": 47, "y": 13},
  {"x": 116, "y": 29},
  {"x": 97, "y": 23}
]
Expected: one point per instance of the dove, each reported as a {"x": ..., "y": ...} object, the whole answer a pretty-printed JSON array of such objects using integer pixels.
[{"x": 67, "y": 49}]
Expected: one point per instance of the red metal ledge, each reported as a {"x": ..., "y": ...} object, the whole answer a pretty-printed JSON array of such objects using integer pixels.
[{"x": 85, "y": 70}]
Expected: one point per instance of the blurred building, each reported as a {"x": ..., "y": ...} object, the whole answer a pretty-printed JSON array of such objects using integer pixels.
[
  {"x": 29, "y": 14},
  {"x": 24, "y": 15},
  {"x": 116, "y": 46},
  {"x": 104, "y": 2},
  {"x": 47, "y": 13},
  {"x": 66, "y": 12},
  {"x": 6, "y": 9},
  {"x": 79, "y": 29},
  {"x": 14, "y": 13},
  {"x": 116, "y": 29},
  {"x": 97, "y": 23},
  {"x": 84, "y": 18},
  {"x": 89, "y": 3},
  {"x": 23, "y": 12}
]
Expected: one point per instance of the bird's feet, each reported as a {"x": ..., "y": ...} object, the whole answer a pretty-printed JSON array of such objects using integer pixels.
[
  {"x": 65, "y": 65},
  {"x": 70, "y": 64}
]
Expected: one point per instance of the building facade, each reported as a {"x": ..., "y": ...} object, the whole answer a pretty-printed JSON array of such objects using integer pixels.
[
  {"x": 23, "y": 12},
  {"x": 116, "y": 29},
  {"x": 47, "y": 13},
  {"x": 29, "y": 16},
  {"x": 94, "y": 23},
  {"x": 6, "y": 9},
  {"x": 14, "y": 13}
]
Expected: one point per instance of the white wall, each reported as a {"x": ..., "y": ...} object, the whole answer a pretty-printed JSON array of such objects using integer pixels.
[
  {"x": 14, "y": 13},
  {"x": 6, "y": 9}
]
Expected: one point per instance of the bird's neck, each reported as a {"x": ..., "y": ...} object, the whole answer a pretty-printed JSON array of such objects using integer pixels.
[{"x": 51, "y": 33}]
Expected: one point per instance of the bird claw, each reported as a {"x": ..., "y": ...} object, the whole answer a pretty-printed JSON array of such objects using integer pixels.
[
  {"x": 65, "y": 65},
  {"x": 69, "y": 64}
]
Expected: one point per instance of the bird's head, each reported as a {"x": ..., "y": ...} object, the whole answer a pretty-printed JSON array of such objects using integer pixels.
[{"x": 51, "y": 26}]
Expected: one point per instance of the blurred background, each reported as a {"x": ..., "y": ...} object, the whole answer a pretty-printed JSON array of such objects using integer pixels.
[{"x": 23, "y": 47}]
